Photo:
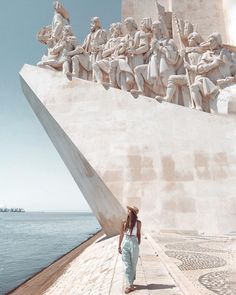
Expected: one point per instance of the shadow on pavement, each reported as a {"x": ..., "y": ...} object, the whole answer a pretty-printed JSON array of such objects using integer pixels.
[{"x": 153, "y": 287}]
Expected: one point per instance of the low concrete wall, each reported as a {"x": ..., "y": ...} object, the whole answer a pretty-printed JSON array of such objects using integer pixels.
[{"x": 176, "y": 164}]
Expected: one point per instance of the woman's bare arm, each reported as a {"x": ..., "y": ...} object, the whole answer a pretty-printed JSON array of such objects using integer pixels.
[
  {"x": 139, "y": 224},
  {"x": 121, "y": 236}
]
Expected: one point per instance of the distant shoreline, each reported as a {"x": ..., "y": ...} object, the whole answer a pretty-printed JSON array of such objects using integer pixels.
[
  {"x": 12, "y": 210},
  {"x": 26, "y": 211},
  {"x": 39, "y": 282}
]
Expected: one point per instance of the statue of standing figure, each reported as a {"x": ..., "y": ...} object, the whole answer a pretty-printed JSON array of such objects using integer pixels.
[
  {"x": 60, "y": 19},
  {"x": 110, "y": 54},
  {"x": 90, "y": 51},
  {"x": 163, "y": 56},
  {"x": 135, "y": 44},
  {"x": 193, "y": 54}
]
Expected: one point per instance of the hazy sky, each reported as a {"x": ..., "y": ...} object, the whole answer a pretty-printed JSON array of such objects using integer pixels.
[{"x": 32, "y": 174}]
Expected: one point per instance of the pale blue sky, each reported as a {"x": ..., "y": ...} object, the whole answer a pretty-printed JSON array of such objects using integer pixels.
[{"x": 32, "y": 175}]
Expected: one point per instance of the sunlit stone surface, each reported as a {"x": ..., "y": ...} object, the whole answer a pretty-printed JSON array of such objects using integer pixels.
[
  {"x": 178, "y": 165},
  {"x": 210, "y": 16}
]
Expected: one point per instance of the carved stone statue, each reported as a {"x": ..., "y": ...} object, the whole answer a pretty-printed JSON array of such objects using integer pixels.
[
  {"x": 214, "y": 65},
  {"x": 145, "y": 61},
  {"x": 60, "y": 19},
  {"x": 193, "y": 54},
  {"x": 90, "y": 52},
  {"x": 186, "y": 28},
  {"x": 230, "y": 80},
  {"x": 135, "y": 44},
  {"x": 57, "y": 57},
  {"x": 59, "y": 38},
  {"x": 163, "y": 56},
  {"x": 44, "y": 35},
  {"x": 109, "y": 55},
  {"x": 163, "y": 61},
  {"x": 233, "y": 65}
]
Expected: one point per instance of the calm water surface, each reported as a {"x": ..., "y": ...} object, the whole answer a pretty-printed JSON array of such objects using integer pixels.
[{"x": 32, "y": 240}]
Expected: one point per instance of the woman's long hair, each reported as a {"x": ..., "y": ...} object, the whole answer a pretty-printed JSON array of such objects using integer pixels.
[{"x": 130, "y": 221}]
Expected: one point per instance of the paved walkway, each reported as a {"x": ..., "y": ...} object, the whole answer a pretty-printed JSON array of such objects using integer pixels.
[
  {"x": 187, "y": 264},
  {"x": 204, "y": 265},
  {"x": 99, "y": 271}
]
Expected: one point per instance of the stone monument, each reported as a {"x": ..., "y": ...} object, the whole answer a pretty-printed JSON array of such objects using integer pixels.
[{"x": 144, "y": 115}]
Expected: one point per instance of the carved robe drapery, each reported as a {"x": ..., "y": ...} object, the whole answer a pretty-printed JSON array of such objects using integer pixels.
[
  {"x": 92, "y": 41},
  {"x": 162, "y": 65}
]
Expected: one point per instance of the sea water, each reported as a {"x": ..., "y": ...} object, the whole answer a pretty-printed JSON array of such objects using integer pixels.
[{"x": 31, "y": 241}]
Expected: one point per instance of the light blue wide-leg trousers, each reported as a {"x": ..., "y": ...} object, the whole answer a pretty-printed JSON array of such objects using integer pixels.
[{"x": 130, "y": 252}]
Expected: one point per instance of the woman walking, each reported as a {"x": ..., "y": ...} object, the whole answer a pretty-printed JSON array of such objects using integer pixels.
[{"x": 130, "y": 238}]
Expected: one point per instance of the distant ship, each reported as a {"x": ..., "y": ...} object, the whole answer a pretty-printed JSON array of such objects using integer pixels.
[{"x": 12, "y": 210}]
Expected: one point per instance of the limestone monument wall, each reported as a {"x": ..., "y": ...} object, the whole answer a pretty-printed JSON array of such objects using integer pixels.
[
  {"x": 229, "y": 9},
  {"x": 176, "y": 164},
  {"x": 135, "y": 113},
  {"x": 209, "y": 15},
  {"x": 143, "y": 9}
]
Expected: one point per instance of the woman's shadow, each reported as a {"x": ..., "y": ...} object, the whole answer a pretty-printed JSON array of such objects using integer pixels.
[{"x": 153, "y": 287}]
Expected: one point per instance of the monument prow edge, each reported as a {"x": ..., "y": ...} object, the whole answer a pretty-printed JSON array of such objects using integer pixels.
[{"x": 104, "y": 205}]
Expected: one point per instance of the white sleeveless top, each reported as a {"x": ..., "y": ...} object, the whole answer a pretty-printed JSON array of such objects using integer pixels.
[{"x": 134, "y": 231}]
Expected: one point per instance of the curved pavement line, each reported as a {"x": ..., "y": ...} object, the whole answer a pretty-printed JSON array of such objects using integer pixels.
[{"x": 180, "y": 279}]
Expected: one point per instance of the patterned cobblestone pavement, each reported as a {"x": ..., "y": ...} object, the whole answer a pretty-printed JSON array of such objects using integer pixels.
[
  {"x": 209, "y": 263},
  {"x": 190, "y": 246},
  {"x": 219, "y": 282},
  {"x": 193, "y": 261}
]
